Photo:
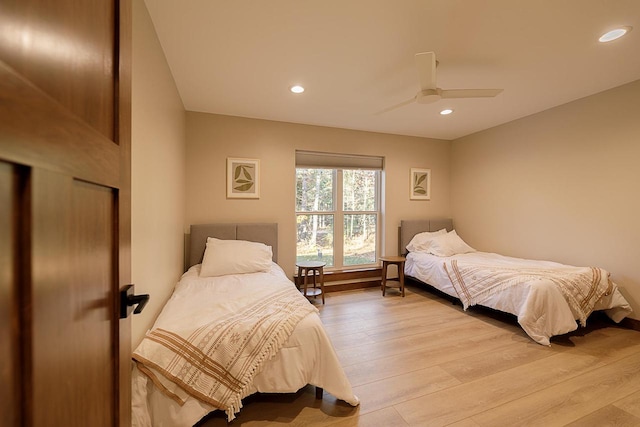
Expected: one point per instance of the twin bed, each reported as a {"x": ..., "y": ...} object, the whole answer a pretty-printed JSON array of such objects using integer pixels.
[
  {"x": 547, "y": 298},
  {"x": 223, "y": 336}
]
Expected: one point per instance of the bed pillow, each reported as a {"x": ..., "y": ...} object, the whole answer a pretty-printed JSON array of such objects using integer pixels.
[
  {"x": 449, "y": 244},
  {"x": 422, "y": 241},
  {"x": 234, "y": 257}
]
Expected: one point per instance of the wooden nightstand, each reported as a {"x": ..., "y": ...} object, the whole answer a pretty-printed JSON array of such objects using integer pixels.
[
  {"x": 306, "y": 268},
  {"x": 398, "y": 261}
]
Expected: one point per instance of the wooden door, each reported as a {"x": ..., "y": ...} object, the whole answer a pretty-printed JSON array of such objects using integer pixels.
[
  {"x": 64, "y": 212},
  {"x": 9, "y": 350}
]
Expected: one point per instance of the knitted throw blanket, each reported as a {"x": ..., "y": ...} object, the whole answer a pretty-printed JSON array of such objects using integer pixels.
[
  {"x": 581, "y": 287},
  {"x": 216, "y": 362}
]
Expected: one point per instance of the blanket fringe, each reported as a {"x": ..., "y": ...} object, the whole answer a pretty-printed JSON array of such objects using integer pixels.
[{"x": 269, "y": 352}]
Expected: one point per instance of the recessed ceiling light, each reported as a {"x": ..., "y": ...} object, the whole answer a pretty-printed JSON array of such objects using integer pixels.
[
  {"x": 614, "y": 34},
  {"x": 296, "y": 89},
  {"x": 446, "y": 111}
]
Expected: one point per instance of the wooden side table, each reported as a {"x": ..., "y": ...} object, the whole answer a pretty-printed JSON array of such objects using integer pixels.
[
  {"x": 310, "y": 268},
  {"x": 398, "y": 261}
]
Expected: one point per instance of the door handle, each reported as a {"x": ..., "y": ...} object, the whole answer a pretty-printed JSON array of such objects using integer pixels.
[{"x": 128, "y": 299}]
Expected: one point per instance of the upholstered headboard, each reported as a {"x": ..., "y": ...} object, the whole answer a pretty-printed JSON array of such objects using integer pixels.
[
  {"x": 266, "y": 233},
  {"x": 409, "y": 228}
]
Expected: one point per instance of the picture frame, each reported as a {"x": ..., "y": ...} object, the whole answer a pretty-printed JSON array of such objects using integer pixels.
[
  {"x": 420, "y": 184},
  {"x": 243, "y": 178}
]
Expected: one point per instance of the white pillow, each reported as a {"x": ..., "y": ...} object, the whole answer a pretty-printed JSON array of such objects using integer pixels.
[
  {"x": 422, "y": 241},
  {"x": 448, "y": 245},
  {"x": 234, "y": 257}
]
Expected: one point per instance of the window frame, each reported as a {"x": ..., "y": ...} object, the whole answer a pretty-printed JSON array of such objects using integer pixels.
[{"x": 339, "y": 213}]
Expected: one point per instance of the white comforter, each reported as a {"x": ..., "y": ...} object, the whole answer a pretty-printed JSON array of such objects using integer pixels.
[
  {"x": 307, "y": 357},
  {"x": 539, "y": 305}
]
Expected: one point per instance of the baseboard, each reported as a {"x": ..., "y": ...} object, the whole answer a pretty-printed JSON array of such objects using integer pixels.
[
  {"x": 347, "y": 280},
  {"x": 630, "y": 323},
  {"x": 352, "y": 286}
]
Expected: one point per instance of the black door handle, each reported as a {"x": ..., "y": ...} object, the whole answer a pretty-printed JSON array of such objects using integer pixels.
[{"x": 128, "y": 300}]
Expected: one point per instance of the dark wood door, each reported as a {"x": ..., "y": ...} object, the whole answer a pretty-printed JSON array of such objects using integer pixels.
[
  {"x": 9, "y": 350},
  {"x": 64, "y": 212}
]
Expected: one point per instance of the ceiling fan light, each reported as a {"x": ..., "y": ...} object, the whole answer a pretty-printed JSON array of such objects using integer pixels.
[
  {"x": 446, "y": 111},
  {"x": 614, "y": 34},
  {"x": 296, "y": 89}
]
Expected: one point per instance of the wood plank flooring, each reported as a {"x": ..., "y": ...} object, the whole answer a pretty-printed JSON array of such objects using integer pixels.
[{"x": 422, "y": 361}]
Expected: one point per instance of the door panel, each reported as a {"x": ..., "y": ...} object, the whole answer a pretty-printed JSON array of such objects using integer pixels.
[
  {"x": 73, "y": 290},
  {"x": 66, "y": 48},
  {"x": 36, "y": 130},
  {"x": 9, "y": 356},
  {"x": 65, "y": 124}
]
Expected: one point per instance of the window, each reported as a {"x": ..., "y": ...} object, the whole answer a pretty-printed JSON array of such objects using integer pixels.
[{"x": 337, "y": 213}]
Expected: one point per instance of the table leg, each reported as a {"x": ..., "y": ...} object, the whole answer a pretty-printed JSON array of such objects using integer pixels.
[
  {"x": 313, "y": 271},
  {"x": 321, "y": 274},
  {"x": 306, "y": 274},
  {"x": 384, "y": 278}
]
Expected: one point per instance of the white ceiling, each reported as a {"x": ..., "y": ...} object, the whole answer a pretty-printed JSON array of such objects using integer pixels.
[{"x": 356, "y": 57}]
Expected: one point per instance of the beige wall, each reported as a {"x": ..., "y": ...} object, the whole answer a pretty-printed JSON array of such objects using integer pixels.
[
  {"x": 561, "y": 185},
  {"x": 158, "y": 173},
  {"x": 213, "y": 138}
]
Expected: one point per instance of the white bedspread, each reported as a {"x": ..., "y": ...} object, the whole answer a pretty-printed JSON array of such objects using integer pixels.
[
  {"x": 306, "y": 358},
  {"x": 539, "y": 305}
]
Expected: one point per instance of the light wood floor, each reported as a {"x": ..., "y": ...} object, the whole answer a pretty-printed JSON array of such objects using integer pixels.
[{"x": 422, "y": 361}]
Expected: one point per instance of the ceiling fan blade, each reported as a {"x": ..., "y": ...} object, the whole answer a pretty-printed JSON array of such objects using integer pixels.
[
  {"x": 470, "y": 93},
  {"x": 393, "y": 107},
  {"x": 426, "y": 65}
]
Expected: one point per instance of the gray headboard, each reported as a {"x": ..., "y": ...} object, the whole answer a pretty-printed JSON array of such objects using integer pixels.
[
  {"x": 409, "y": 228},
  {"x": 266, "y": 233}
]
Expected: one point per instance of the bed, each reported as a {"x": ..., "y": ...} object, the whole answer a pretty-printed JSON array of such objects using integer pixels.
[
  {"x": 547, "y": 298},
  {"x": 221, "y": 338}
]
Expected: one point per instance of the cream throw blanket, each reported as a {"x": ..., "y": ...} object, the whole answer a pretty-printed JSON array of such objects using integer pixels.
[
  {"x": 217, "y": 361},
  {"x": 581, "y": 287}
]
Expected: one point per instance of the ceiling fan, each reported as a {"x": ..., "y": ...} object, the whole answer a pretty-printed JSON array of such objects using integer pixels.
[{"x": 429, "y": 91}]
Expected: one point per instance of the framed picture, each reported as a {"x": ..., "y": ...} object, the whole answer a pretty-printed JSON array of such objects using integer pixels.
[
  {"x": 420, "y": 184},
  {"x": 243, "y": 178}
]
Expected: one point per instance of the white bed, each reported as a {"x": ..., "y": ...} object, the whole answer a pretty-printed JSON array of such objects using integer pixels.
[
  {"x": 306, "y": 357},
  {"x": 542, "y": 308}
]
